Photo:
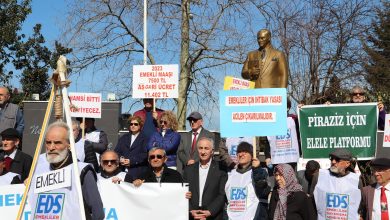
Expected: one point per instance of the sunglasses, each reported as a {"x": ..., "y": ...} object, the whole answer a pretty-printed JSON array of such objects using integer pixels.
[
  {"x": 334, "y": 158},
  {"x": 106, "y": 162},
  {"x": 193, "y": 120},
  {"x": 158, "y": 156},
  {"x": 134, "y": 124},
  {"x": 163, "y": 122},
  {"x": 358, "y": 93}
]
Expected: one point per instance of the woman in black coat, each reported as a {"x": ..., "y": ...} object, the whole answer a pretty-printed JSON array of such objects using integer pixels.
[{"x": 288, "y": 201}]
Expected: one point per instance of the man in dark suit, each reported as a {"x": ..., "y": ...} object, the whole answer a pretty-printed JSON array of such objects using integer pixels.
[
  {"x": 207, "y": 183},
  {"x": 187, "y": 154},
  {"x": 15, "y": 160},
  {"x": 376, "y": 197}
]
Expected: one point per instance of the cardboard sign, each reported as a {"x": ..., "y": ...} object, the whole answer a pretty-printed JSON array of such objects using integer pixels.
[
  {"x": 386, "y": 134},
  {"x": 86, "y": 105},
  {"x": 52, "y": 180},
  {"x": 253, "y": 112},
  {"x": 156, "y": 81},
  {"x": 232, "y": 83}
]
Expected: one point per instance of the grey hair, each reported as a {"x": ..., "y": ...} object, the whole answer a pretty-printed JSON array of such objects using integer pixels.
[
  {"x": 158, "y": 148},
  {"x": 357, "y": 88},
  {"x": 59, "y": 124},
  {"x": 77, "y": 123},
  {"x": 109, "y": 151},
  {"x": 206, "y": 139}
]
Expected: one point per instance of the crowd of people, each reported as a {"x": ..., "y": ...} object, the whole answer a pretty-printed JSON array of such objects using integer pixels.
[{"x": 219, "y": 188}]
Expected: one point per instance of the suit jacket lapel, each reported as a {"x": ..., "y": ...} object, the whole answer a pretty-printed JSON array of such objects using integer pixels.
[
  {"x": 370, "y": 199},
  {"x": 270, "y": 53}
]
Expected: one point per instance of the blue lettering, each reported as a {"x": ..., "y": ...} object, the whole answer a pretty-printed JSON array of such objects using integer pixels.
[
  {"x": 336, "y": 201},
  {"x": 41, "y": 204},
  {"x": 10, "y": 200},
  {"x": 19, "y": 198},
  {"x": 237, "y": 193},
  {"x": 233, "y": 150},
  {"x": 49, "y": 203},
  {"x": 27, "y": 215},
  {"x": 57, "y": 204},
  {"x": 112, "y": 214}
]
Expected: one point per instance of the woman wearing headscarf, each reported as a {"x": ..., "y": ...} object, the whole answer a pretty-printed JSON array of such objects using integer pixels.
[{"x": 288, "y": 201}]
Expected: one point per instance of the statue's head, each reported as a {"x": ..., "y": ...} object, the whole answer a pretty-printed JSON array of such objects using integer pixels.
[{"x": 263, "y": 38}]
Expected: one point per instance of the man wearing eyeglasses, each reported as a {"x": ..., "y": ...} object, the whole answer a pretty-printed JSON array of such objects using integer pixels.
[
  {"x": 109, "y": 167},
  {"x": 187, "y": 153},
  {"x": 376, "y": 197},
  {"x": 157, "y": 172},
  {"x": 336, "y": 190}
]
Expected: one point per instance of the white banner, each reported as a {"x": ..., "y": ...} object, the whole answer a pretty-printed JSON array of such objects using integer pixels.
[
  {"x": 155, "y": 81},
  {"x": 86, "y": 105},
  {"x": 10, "y": 199},
  {"x": 149, "y": 201},
  {"x": 386, "y": 134}
]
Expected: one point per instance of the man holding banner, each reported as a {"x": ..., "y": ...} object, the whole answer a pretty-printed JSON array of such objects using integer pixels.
[{"x": 53, "y": 193}]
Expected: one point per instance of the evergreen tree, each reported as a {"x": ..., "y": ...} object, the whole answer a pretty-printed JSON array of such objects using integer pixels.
[{"x": 378, "y": 49}]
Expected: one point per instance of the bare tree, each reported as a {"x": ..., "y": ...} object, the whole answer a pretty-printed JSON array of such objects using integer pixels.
[
  {"x": 208, "y": 38},
  {"x": 322, "y": 42}
]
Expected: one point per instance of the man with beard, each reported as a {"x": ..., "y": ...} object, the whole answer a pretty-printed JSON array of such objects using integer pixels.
[
  {"x": 336, "y": 190},
  {"x": 56, "y": 166},
  {"x": 109, "y": 167},
  {"x": 149, "y": 117},
  {"x": 10, "y": 114}
]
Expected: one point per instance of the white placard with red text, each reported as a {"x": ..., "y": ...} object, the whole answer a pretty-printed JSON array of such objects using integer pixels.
[
  {"x": 386, "y": 134},
  {"x": 86, "y": 105},
  {"x": 156, "y": 81}
]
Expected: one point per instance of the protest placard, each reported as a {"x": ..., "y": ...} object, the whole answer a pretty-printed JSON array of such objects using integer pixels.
[
  {"x": 86, "y": 105},
  {"x": 155, "y": 81},
  {"x": 232, "y": 83},
  {"x": 149, "y": 201},
  {"x": 325, "y": 128},
  {"x": 386, "y": 134},
  {"x": 253, "y": 112},
  {"x": 10, "y": 199}
]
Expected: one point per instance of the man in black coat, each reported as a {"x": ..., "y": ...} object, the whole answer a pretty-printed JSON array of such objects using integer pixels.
[
  {"x": 15, "y": 160},
  {"x": 207, "y": 183},
  {"x": 157, "y": 172}
]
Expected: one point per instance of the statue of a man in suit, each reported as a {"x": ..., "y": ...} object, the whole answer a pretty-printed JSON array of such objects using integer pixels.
[{"x": 267, "y": 67}]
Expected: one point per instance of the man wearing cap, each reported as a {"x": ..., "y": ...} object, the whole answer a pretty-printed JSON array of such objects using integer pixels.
[
  {"x": 336, "y": 190},
  {"x": 187, "y": 153},
  {"x": 10, "y": 114},
  {"x": 246, "y": 188},
  {"x": 149, "y": 117},
  {"x": 15, "y": 160},
  {"x": 376, "y": 197}
]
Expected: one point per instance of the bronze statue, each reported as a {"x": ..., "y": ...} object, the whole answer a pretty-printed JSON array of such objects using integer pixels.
[{"x": 267, "y": 67}]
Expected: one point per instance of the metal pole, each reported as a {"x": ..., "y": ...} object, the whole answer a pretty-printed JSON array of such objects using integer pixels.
[{"x": 145, "y": 32}]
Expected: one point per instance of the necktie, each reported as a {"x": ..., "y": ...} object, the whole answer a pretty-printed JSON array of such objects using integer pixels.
[
  {"x": 7, "y": 162},
  {"x": 384, "y": 206},
  {"x": 193, "y": 143}
]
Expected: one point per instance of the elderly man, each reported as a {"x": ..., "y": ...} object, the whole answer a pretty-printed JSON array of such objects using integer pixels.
[
  {"x": 336, "y": 190},
  {"x": 267, "y": 67},
  {"x": 10, "y": 114},
  {"x": 56, "y": 164},
  {"x": 187, "y": 154},
  {"x": 376, "y": 197},
  {"x": 157, "y": 172},
  {"x": 246, "y": 188},
  {"x": 207, "y": 183},
  {"x": 149, "y": 117},
  {"x": 15, "y": 161},
  {"x": 358, "y": 95},
  {"x": 109, "y": 167}
]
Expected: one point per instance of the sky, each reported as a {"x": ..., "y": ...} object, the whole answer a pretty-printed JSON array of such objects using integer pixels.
[{"x": 49, "y": 13}]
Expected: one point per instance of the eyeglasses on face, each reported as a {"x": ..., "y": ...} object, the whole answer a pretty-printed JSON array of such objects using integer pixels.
[
  {"x": 134, "y": 124},
  {"x": 158, "y": 156},
  {"x": 358, "y": 93},
  {"x": 163, "y": 122},
  {"x": 106, "y": 162},
  {"x": 192, "y": 120},
  {"x": 334, "y": 158}
]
